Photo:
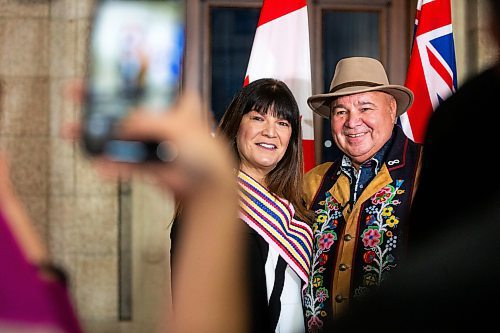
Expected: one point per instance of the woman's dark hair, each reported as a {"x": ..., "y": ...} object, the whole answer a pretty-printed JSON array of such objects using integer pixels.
[{"x": 263, "y": 96}]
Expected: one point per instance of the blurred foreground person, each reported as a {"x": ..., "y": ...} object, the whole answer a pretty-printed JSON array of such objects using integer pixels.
[
  {"x": 33, "y": 293},
  {"x": 448, "y": 140}
]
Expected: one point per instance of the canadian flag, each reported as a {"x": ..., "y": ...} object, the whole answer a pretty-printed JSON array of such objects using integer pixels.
[{"x": 281, "y": 50}]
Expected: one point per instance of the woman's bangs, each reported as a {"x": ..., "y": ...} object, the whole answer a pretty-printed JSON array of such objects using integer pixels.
[{"x": 279, "y": 103}]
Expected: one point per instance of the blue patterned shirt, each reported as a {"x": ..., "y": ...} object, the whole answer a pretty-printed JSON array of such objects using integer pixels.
[{"x": 359, "y": 179}]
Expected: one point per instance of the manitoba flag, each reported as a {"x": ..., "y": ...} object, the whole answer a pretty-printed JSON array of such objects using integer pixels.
[
  {"x": 281, "y": 50},
  {"x": 432, "y": 74}
]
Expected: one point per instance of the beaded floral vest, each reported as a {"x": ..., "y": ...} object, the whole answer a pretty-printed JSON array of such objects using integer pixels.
[{"x": 357, "y": 246}]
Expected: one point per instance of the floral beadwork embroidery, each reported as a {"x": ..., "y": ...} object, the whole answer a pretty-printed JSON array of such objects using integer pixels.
[
  {"x": 325, "y": 235},
  {"x": 378, "y": 237}
]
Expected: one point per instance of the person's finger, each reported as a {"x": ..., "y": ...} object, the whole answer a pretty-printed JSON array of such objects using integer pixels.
[
  {"x": 75, "y": 91},
  {"x": 189, "y": 104},
  {"x": 193, "y": 110},
  {"x": 71, "y": 131}
]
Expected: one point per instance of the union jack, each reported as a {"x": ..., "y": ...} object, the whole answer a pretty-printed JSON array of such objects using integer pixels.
[{"x": 432, "y": 72}]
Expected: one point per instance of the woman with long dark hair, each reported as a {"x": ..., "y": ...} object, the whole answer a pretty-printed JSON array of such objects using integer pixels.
[{"x": 262, "y": 124}]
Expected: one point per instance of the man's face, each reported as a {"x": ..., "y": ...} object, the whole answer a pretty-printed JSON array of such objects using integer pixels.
[{"x": 362, "y": 123}]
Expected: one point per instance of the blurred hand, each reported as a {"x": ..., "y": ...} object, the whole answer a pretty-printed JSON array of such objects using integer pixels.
[{"x": 201, "y": 158}]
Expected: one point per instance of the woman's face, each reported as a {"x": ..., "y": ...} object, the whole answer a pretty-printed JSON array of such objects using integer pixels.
[{"x": 262, "y": 142}]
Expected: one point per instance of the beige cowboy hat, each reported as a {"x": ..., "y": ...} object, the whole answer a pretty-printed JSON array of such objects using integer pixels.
[{"x": 358, "y": 75}]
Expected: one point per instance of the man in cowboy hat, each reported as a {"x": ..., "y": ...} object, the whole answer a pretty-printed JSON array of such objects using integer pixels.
[{"x": 361, "y": 200}]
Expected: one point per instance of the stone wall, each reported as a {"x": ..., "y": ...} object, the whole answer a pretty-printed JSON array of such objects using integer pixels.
[{"x": 474, "y": 47}]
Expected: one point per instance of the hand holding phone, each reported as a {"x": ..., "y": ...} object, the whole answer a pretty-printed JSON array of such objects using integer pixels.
[{"x": 136, "y": 51}]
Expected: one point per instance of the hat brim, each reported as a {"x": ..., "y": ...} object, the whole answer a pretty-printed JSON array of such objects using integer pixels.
[{"x": 320, "y": 103}]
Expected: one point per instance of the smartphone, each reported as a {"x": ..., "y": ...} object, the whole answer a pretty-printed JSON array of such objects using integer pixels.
[{"x": 135, "y": 61}]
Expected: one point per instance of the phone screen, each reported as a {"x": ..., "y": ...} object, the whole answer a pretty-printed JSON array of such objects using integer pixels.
[{"x": 136, "y": 51}]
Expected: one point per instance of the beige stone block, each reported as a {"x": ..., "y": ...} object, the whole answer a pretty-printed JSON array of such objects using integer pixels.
[
  {"x": 63, "y": 109},
  {"x": 97, "y": 219},
  {"x": 12, "y": 8},
  {"x": 29, "y": 163},
  {"x": 85, "y": 9},
  {"x": 153, "y": 205},
  {"x": 24, "y": 47},
  {"x": 64, "y": 227},
  {"x": 71, "y": 9},
  {"x": 152, "y": 214},
  {"x": 97, "y": 287},
  {"x": 112, "y": 326},
  {"x": 82, "y": 46},
  {"x": 488, "y": 47},
  {"x": 36, "y": 208},
  {"x": 151, "y": 291},
  {"x": 64, "y": 9},
  {"x": 62, "y": 167},
  {"x": 63, "y": 41},
  {"x": 24, "y": 107},
  {"x": 459, "y": 35},
  {"x": 488, "y": 50},
  {"x": 88, "y": 181}
]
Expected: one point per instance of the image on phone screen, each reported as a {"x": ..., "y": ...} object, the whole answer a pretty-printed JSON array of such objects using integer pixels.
[{"x": 136, "y": 50}]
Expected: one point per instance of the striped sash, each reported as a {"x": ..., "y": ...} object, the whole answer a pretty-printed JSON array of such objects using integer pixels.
[{"x": 272, "y": 218}]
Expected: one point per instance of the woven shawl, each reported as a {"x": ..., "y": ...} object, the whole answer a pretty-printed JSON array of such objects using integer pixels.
[{"x": 273, "y": 219}]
